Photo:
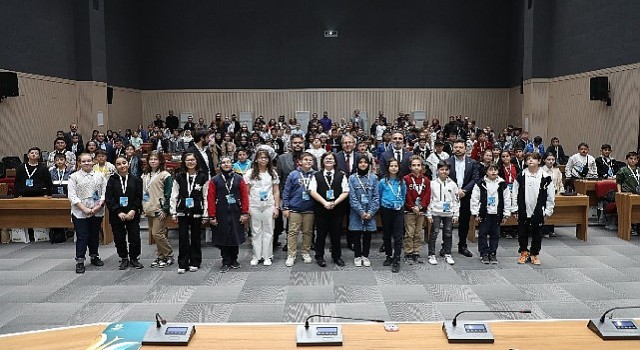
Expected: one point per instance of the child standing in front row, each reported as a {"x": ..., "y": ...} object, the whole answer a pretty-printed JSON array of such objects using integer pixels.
[
  {"x": 490, "y": 203},
  {"x": 392, "y": 192},
  {"x": 443, "y": 208},
  {"x": 535, "y": 198},
  {"x": 417, "y": 201}
]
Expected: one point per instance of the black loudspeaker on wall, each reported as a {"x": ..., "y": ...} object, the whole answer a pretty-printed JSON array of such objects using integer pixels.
[
  {"x": 109, "y": 95},
  {"x": 8, "y": 84},
  {"x": 599, "y": 89}
]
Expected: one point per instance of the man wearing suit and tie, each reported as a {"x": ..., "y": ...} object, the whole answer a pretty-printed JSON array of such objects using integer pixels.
[
  {"x": 398, "y": 152},
  {"x": 464, "y": 171},
  {"x": 69, "y": 136},
  {"x": 347, "y": 163}
]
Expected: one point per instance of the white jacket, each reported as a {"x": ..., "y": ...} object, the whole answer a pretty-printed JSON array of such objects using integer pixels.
[
  {"x": 442, "y": 192},
  {"x": 492, "y": 191}
]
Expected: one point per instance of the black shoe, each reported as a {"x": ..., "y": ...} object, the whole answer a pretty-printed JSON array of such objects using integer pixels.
[
  {"x": 135, "y": 263},
  {"x": 225, "y": 268},
  {"x": 485, "y": 259},
  {"x": 284, "y": 248},
  {"x": 416, "y": 259},
  {"x": 381, "y": 250},
  {"x": 277, "y": 244},
  {"x": 235, "y": 265},
  {"x": 408, "y": 259},
  {"x": 80, "y": 268},
  {"x": 464, "y": 251},
  {"x": 124, "y": 263},
  {"x": 492, "y": 258},
  {"x": 338, "y": 262},
  {"x": 387, "y": 261},
  {"x": 321, "y": 262},
  {"x": 96, "y": 261},
  {"x": 552, "y": 234},
  {"x": 395, "y": 266},
  {"x": 441, "y": 253}
]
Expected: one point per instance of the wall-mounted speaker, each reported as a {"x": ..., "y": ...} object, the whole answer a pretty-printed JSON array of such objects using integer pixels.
[
  {"x": 599, "y": 88},
  {"x": 9, "y": 84},
  {"x": 109, "y": 95}
]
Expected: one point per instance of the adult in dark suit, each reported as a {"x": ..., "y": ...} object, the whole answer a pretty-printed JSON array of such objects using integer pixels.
[
  {"x": 203, "y": 154},
  {"x": 286, "y": 163},
  {"x": 397, "y": 151},
  {"x": 464, "y": 171},
  {"x": 345, "y": 159},
  {"x": 104, "y": 145},
  {"x": 69, "y": 135},
  {"x": 172, "y": 122}
]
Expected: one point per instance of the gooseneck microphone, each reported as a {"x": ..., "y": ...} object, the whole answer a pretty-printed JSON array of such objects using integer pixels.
[
  {"x": 616, "y": 308},
  {"x": 306, "y": 321},
  {"x": 455, "y": 321},
  {"x": 160, "y": 321}
]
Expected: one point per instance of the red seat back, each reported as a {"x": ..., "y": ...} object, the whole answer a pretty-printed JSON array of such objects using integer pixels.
[{"x": 603, "y": 187}]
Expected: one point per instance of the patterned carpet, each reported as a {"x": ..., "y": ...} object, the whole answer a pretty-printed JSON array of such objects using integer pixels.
[{"x": 39, "y": 288}]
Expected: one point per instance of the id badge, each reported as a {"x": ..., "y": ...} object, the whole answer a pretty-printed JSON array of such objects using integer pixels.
[
  {"x": 263, "y": 196},
  {"x": 305, "y": 196},
  {"x": 188, "y": 202},
  {"x": 96, "y": 196},
  {"x": 60, "y": 190},
  {"x": 145, "y": 197},
  {"x": 364, "y": 199},
  {"x": 330, "y": 195},
  {"x": 491, "y": 201},
  {"x": 231, "y": 199},
  {"x": 446, "y": 207},
  {"x": 124, "y": 201},
  {"x": 29, "y": 182},
  {"x": 417, "y": 203},
  {"x": 397, "y": 207},
  {"x": 510, "y": 187},
  {"x": 610, "y": 172}
]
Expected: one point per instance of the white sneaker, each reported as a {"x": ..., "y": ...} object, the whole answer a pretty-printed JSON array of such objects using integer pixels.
[
  {"x": 182, "y": 271},
  {"x": 307, "y": 258},
  {"x": 449, "y": 259},
  {"x": 254, "y": 261},
  {"x": 267, "y": 262},
  {"x": 193, "y": 268},
  {"x": 432, "y": 260},
  {"x": 366, "y": 262},
  {"x": 357, "y": 262},
  {"x": 290, "y": 261}
]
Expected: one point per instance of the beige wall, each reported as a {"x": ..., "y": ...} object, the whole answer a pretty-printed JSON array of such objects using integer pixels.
[
  {"x": 126, "y": 110},
  {"x": 487, "y": 106}
]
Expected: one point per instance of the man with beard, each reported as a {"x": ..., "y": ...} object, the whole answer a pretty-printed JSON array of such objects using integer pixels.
[
  {"x": 287, "y": 163},
  {"x": 464, "y": 171}
]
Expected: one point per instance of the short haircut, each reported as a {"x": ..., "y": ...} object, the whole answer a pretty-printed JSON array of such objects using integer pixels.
[
  {"x": 34, "y": 149},
  {"x": 534, "y": 155},
  {"x": 415, "y": 157},
  {"x": 493, "y": 165},
  {"x": 100, "y": 151},
  {"x": 444, "y": 164},
  {"x": 60, "y": 156},
  {"x": 200, "y": 135},
  {"x": 582, "y": 144},
  {"x": 460, "y": 141},
  {"x": 307, "y": 154},
  {"x": 117, "y": 140},
  {"x": 605, "y": 146},
  {"x": 632, "y": 154},
  {"x": 296, "y": 136}
]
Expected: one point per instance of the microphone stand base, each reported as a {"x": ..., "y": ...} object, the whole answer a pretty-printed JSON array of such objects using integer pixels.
[
  {"x": 615, "y": 329},
  {"x": 470, "y": 333},
  {"x": 319, "y": 335}
]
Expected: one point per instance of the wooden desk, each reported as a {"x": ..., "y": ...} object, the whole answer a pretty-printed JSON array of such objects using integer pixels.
[
  {"x": 43, "y": 212},
  {"x": 587, "y": 187},
  {"x": 508, "y": 335},
  {"x": 569, "y": 210},
  {"x": 628, "y": 206}
]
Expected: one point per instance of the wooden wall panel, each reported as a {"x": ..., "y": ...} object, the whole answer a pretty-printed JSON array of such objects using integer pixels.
[
  {"x": 44, "y": 106},
  {"x": 126, "y": 110},
  {"x": 515, "y": 107},
  {"x": 486, "y": 106}
]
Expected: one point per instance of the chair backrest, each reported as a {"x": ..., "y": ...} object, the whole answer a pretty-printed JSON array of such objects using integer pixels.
[
  {"x": 11, "y": 162},
  {"x": 4, "y": 189},
  {"x": 604, "y": 186}
]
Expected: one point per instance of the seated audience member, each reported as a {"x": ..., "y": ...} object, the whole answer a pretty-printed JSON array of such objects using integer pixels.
[
  {"x": 101, "y": 165},
  {"x": 243, "y": 164},
  {"x": 316, "y": 150},
  {"x": 135, "y": 164},
  {"x": 60, "y": 174},
  {"x": 60, "y": 147},
  {"x": 556, "y": 149},
  {"x": 628, "y": 180},
  {"x": 536, "y": 146},
  {"x": 519, "y": 160},
  {"x": 136, "y": 140},
  {"x": 437, "y": 156},
  {"x": 76, "y": 147},
  {"x": 482, "y": 144},
  {"x": 581, "y": 165},
  {"x": 32, "y": 178},
  {"x": 607, "y": 166}
]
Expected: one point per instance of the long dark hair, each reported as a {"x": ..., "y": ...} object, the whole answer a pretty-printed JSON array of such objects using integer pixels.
[
  {"x": 255, "y": 169},
  {"x": 161, "y": 160},
  {"x": 387, "y": 175}
]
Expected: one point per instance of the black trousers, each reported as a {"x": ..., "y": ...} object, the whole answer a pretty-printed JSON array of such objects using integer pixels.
[
  {"x": 463, "y": 220},
  {"x": 127, "y": 229},
  {"x": 328, "y": 224},
  {"x": 526, "y": 226},
  {"x": 392, "y": 226},
  {"x": 361, "y": 243},
  {"x": 229, "y": 254},
  {"x": 189, "y": 242}
]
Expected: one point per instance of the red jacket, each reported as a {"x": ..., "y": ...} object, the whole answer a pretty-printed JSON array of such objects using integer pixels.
[
  {"x": 479, "y": 148},
  {"x": 412, "y": 192}
]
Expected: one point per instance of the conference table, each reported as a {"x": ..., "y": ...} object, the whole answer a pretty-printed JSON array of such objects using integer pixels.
[
  {"x": 552, "y": 334},
  {"x": 568, "y": 210},
  {"x": 43, "y": 212},
  {"x": 628, "y": 206},
  {"x": 588, "y": 188}
]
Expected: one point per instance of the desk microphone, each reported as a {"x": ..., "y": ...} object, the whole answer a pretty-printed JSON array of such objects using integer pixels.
[
  {"x": 306, "y": 321},
  {"x": 454, "y": 322},
  {"x": 616, "y": 308},
  {"x": 160, "y": 321}
]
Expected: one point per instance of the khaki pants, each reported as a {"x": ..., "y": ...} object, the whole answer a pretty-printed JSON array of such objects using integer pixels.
[
  {"x": 413, "y": 228},
  {"x": 159, "y": 234},
  {"x": 297, "y": 222}
]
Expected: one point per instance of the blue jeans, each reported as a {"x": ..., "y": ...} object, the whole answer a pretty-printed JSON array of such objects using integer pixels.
[
  {"x": 87, "y": 235},
  {"x": 489, "y": 226}
]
